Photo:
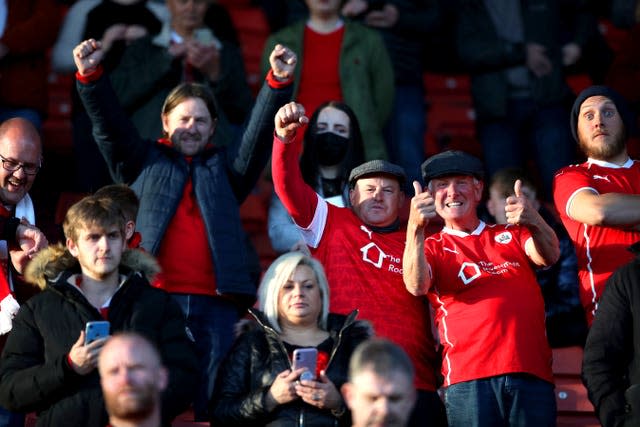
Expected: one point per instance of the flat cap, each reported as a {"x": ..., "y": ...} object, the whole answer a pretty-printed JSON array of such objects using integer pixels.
[
  {"x": 451, "y": 162},
  {"x": 377, "y": 167}
]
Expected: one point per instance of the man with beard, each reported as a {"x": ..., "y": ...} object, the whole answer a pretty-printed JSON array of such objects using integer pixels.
[
  {"x": 599, "y": 200},
  {"x": 132, "y": 378},
  {"x": 190, "y": 190},
  {"x": 380, "y": 390}
]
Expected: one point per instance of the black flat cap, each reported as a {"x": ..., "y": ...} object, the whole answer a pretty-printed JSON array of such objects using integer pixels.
[
  {"x": 451, "y": 162},
  {"x": 377, "y": 167}
]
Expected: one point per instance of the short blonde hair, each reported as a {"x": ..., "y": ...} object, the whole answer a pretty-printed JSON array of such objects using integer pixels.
[{"x": 277, "y": 275}]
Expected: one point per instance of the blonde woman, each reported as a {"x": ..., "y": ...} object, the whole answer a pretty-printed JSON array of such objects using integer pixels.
[{"x": 257, "y": 384}]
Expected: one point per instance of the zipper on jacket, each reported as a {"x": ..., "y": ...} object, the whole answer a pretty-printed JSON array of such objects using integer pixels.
[
  {"x": 273, "y": 332},
  {"x": 350, "y": 320}
]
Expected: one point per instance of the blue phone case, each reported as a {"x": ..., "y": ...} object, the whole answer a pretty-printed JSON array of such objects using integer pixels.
[{"x": 94, "y": 330}]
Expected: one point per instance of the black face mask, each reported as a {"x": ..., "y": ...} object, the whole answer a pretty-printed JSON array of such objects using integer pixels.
[{"x": 330, "y": 148}]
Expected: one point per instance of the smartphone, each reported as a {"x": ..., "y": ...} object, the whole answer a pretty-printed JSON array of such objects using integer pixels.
[
  {"x": 306, "y": 358},
  {"x": 95, "y": 329}
]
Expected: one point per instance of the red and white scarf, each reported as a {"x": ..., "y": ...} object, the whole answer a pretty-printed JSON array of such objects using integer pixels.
[{"x": 8, "y": 304}]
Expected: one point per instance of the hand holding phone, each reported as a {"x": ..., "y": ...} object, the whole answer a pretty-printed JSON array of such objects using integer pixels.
[
  {"x": 94, "y": 330},
  {"x": 306, "y": 358},
  {"x": 83, "y": 357}
]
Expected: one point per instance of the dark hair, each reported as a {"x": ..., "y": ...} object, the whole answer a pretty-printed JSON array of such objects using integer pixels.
[
  {"x": 185, "y": 91},
  {"x": 123, "y": 196},
  {"x": 355, "y": 152}
]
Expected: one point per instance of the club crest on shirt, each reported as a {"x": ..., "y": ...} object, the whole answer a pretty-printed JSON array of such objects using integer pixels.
[
  {"x": 504, "y": 237},
  {"x": 372, "y": 254},
  {"x": 469, "y": 271}
]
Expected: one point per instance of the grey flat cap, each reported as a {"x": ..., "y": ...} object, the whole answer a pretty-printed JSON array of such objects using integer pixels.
[{"x": 377, "y": 167}]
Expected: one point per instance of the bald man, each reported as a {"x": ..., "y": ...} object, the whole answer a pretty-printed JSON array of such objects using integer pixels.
[
  {"x": 132, "y": 378},
  {"x": 21, "y": 157}
]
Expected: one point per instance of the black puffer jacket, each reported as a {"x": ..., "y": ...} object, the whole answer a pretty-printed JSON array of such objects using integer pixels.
[
  {"x": 258, "y": 356},
  {"x": 34, "y": 372},
  {"x": 611, "y": 365}
]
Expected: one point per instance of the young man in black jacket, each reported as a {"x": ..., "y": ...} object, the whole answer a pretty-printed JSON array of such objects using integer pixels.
[{"x": 46, "y": 365}]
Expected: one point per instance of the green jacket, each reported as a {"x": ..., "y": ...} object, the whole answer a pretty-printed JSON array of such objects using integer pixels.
[{"x": 366, "y": 77}]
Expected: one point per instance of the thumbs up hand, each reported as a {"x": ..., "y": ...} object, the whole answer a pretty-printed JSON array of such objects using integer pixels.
[
  {"x": 519, "y": 209},
  {"x": 423, "y": 207}
]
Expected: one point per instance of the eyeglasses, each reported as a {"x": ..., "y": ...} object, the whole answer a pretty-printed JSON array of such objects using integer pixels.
[{"x": 13, "y": 166}]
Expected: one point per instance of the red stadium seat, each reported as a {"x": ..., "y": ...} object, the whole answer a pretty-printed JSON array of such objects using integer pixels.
[
  {"x": 574, "y": 407},
  {"x": 450, "y": 114}
]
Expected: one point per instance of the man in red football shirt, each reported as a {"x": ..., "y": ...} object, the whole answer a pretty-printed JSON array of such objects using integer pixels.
[
  {"x": 599, "y": 200},
  {"x": 361, "y": 249},
  {"x": 481, "y": 284}
]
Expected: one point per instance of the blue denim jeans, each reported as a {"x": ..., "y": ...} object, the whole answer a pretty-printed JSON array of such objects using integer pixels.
[
  {"x": 211, "y": 320},
  {"x": 405, "y": 131},
  {"x": 528, "y": 130},
  {"x": 504, "y": 401}
]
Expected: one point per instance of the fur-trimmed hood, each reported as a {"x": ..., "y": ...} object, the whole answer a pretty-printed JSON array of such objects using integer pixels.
[{"x": 50, "y": 262}]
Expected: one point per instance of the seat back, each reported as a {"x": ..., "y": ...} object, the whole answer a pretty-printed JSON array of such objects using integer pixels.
[{"x": 574, "y": 407}]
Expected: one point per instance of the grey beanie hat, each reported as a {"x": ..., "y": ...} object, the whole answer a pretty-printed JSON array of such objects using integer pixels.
[{"x": 615, "y": 97}]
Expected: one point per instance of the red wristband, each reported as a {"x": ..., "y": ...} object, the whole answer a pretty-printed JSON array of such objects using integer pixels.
[
  {"x": 91, "y": 76},
  {"x": 275, "y": 84}
]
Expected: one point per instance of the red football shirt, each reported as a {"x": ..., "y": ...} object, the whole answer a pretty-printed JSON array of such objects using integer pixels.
[
  {"x": 489, "y": 308},
  {"x": 600, "y": 249},
  {"x": 364, "y": 268}
]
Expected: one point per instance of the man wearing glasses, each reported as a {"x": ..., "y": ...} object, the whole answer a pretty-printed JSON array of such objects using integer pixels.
[{"x": 21, "y": 157}]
